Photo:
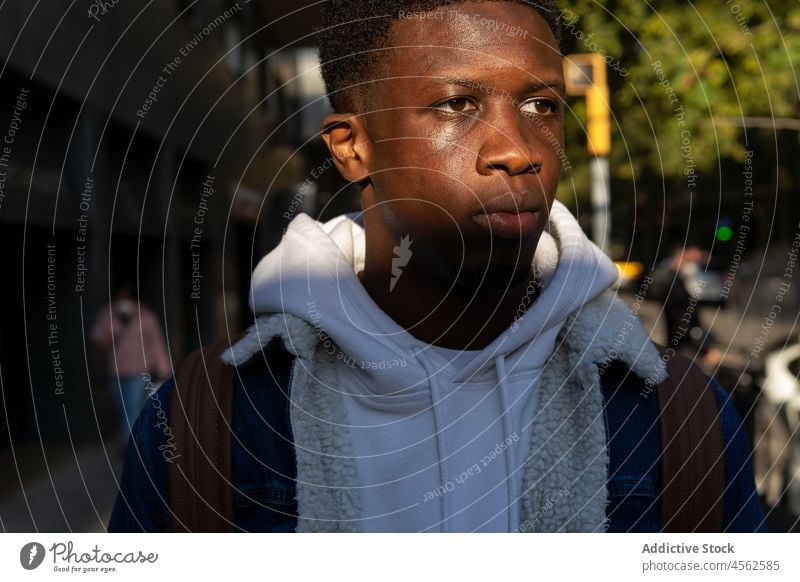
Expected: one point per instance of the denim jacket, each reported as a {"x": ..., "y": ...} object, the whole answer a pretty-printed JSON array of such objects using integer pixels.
[{"x": 264, "y": 462}]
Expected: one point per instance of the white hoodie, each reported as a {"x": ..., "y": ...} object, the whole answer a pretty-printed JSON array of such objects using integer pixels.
[{"x": 439, "y": 437}]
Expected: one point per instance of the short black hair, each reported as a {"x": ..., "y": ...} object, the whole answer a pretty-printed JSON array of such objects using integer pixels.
[{"x": 350, "y": 33}]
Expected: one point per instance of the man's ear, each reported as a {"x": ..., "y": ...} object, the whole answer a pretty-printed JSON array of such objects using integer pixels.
[{"x": 347, "y": 140}]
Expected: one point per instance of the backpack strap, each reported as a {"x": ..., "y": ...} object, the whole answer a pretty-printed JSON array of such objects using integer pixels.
[
  {"x": 692, "y": 456},
  {"x": 200, "y": 476}
]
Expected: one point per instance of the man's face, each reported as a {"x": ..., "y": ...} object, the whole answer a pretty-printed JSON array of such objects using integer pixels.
[{"x": 466, "y": 126}]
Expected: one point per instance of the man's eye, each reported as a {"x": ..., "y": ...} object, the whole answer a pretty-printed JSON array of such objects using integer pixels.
[
  {"x": 540, "y": 107},
  {"x": 457, "y": 105}
]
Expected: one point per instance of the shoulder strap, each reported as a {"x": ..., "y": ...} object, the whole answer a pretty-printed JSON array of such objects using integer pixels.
[
  {"x": 693, "y": 460},
  {"x": 200, "y": 476}
]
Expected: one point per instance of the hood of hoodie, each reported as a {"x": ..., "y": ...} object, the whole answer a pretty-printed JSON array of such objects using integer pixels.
[{"x": 312, "y": 274}]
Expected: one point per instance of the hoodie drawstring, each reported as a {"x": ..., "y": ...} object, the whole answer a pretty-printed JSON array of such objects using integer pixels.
[
  {"x": 513, "y": 510},
  {"x": 436, "y": 397}
]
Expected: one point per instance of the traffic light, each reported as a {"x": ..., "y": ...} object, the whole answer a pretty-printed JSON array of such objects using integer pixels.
[
  {"x": 585, "y": 75},
  {"x": 724, "y": 232}
]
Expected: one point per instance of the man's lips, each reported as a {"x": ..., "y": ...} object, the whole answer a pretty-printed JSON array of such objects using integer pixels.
[{"x": 510, "y": 225}]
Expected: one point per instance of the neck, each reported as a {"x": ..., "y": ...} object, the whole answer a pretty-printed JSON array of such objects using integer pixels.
[{"x": 434, "y": 313}]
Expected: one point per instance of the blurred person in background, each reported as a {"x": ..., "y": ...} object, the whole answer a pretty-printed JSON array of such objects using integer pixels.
[
  {"x": 129, "y": 333},
  {"x": 684, "y": 291}
]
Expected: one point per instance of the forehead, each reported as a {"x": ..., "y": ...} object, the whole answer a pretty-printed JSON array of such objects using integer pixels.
[{"x": 498, "y": 35}]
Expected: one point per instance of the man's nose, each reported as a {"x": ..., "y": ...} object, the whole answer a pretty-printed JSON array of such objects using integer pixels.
[{"x": 506, "y": 148}]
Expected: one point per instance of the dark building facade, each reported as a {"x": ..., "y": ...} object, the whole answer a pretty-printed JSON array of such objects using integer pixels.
[{"x": 141, "y": 143}]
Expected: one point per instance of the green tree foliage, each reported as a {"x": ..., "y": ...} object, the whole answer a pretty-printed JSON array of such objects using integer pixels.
[{"x": 685, "y": 77}]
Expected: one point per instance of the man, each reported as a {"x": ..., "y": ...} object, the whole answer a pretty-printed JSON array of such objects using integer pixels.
[{"x": 440, "y": 361}]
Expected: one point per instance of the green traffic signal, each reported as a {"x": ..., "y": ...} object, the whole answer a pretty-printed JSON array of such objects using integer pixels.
[{"x": 724, "y": 233}]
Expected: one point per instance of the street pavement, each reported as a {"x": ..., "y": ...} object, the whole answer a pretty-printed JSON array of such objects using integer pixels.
[{"x": 74, "y": 495}]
